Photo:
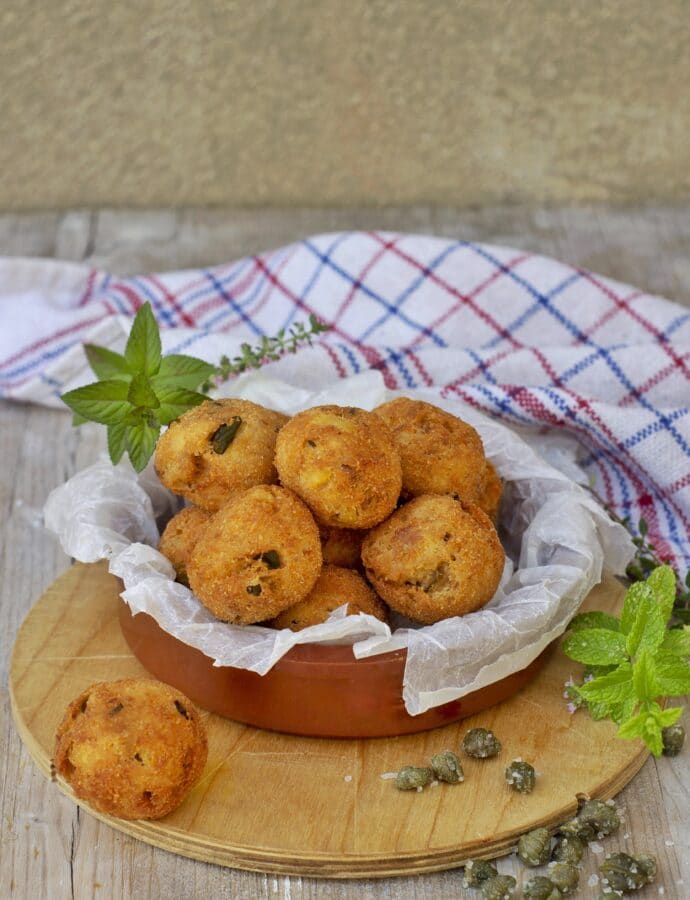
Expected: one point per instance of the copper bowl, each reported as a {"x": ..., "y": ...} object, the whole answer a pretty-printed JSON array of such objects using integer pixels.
[{"x": 314, "y": 690}]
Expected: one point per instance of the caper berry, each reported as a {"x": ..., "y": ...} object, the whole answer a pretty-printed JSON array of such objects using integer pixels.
[
  {"x": 579, "y": 829},
  {"x": 481, "y": 743},
  {"x": 446, "y": 767},
  {"x": 534, "y": 847},
  {"x": 600, "y": 816},
  {"x": 621, "y": 872},
  {"x": 568, "y": 848},
  {"x": 477, "y": 871},
  {"x": 673, "y": 738},
  {"x": 541, "y": 888},
  {"x": 409, "y": 778},
  {"x": 500, "y": 887},
  {"x": 521, "y": 776},
  {"x": 564, "y": 876}
]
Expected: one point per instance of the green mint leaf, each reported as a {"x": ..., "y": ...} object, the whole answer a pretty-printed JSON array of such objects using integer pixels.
[
  {"x": 176, "y": 401},
  {"x": 594, "y": 620},
  {"x": 616, "y": 687},
  {"x": 633, "y": 728},
  {"x": 141, "y": 442},
  {"x": 181, "y": 371},
  {"x": 595, "y": 646},
  {"x": 648, "y": 629},
  {"x": 651, "y": 735},
  {"x": 643, "y": 526},
  {"x": 143, "y": 350},
  {"x": 672, "y": 675},
  {"x": 103, "y": 401},
  {"x": 663, "y": 582},
  {"x": 142, "y": 394},
  {"x": 106, "y": 363},
  {"x": 78, "y": 420},
  {"x": 670, "y": 716},
  {"x": 635, "y": 594},
  {"x": 621, "y": 712},
  {"x": 116, "y": 442},
  {"x": 677, "y": 642},
  {"x": 644, "y": 677}
]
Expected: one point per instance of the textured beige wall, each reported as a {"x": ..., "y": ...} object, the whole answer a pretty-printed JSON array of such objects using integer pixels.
[{"x": 307, "y": 102}]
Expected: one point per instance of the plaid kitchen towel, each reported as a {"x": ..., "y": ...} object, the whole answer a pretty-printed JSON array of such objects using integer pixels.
[{"x": 527, "y": 339}]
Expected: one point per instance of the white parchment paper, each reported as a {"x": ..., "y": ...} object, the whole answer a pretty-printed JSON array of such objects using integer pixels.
[{"x": 558, "y": 541}]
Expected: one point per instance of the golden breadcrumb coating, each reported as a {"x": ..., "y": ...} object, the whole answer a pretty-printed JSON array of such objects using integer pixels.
[
  {"x": 440, "y": 453},
  {"x": 218, "y": 449},
  {"x": 131, "y": 748},
  {"x": 180, "y": 536},
  {"x": 434, "y": 558},
  {"x": 333, "y": 587},
  {"x": 490, "y": 497},
  {"x": 258, "y": 555},
  {"x": 341, "y": 546},
  {"x": 342, "y": 462}
]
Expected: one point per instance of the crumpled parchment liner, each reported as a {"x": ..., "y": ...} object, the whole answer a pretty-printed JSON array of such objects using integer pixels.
[{"x": 558, "y": 541}]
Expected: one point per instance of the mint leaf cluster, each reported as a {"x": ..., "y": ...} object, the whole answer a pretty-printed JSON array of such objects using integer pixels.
[
  {"x": 139, "y": 391},
  {"x": 633, "y": 662}
]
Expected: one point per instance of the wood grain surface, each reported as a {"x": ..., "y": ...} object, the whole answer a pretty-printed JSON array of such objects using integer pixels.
[
  {"x": 48, "y": 848},
  {"x": 319, "y": 806}
]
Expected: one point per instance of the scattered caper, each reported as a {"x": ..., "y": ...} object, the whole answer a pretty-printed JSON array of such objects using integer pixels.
[
  {"x": 409, "y": 778},
  {"x": 621, "y": 872},
  {"x": 579, "y": 829},
  {"x": 601, "y": 817},
  {"x": 564, "y": 876},
  {"x": 534, "y": 847},
  {"x": 481, "y": 743},
  {"x": 500, "y": 887},
  {"x": 569, "y": 849},
  {"x": 673, "y": 738},
  {"x": 477, "y": 871},
  {"x": 521, "y": 776},
  {"x": 541, "y": 888},
  {"x": 254, "y": 589},
  {"x": 647, "y": 864},
  {"x": 223, "y": 436},
  {"x": 446, "y": 767}
]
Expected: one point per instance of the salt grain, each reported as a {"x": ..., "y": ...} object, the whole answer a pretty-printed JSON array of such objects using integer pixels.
[
  {"x": 626, "y": 836},
  {"x": 593, "y": 880},
  {"x": 434, "y": 784},
  {"x": 347, "y": 778},
  {"x": 388, "y": 775},
  {"x": 662, "y": 890},
  {"x": 669, "y": 843},
  {"x": 419, "y": 790},
  {"x": 596, "y": 848}
]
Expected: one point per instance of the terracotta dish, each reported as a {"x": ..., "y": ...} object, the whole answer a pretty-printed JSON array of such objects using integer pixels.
[{"x": 314, "y": 690}]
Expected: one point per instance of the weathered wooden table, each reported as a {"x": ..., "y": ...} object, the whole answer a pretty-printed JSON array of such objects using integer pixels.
[{"x": 48, "y": 849}]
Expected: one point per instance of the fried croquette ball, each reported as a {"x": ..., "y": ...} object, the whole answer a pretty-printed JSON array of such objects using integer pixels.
[
  {"x": 258, "y": 555},
  {"x": 333, "y": 587},
  {"x": 218, "y": 449},
  {"x": 342, "y": 462},
  {"x": 490, "y": 498},
  {"x": 434, "y": 558},
  {"x": 341, "y": 546},
  {"x": 131, "y": 748},
  {"x": 180, "y": 536},
  {"x": 440, "y": 453}
]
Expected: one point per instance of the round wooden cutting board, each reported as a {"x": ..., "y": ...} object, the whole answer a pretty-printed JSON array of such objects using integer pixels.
[{"x": 313, "y": 806}]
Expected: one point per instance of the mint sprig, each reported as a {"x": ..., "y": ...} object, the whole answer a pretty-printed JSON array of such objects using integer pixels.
[
  {"x": 140, "y": 391},
  {"x": 633, "y": 662}
]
